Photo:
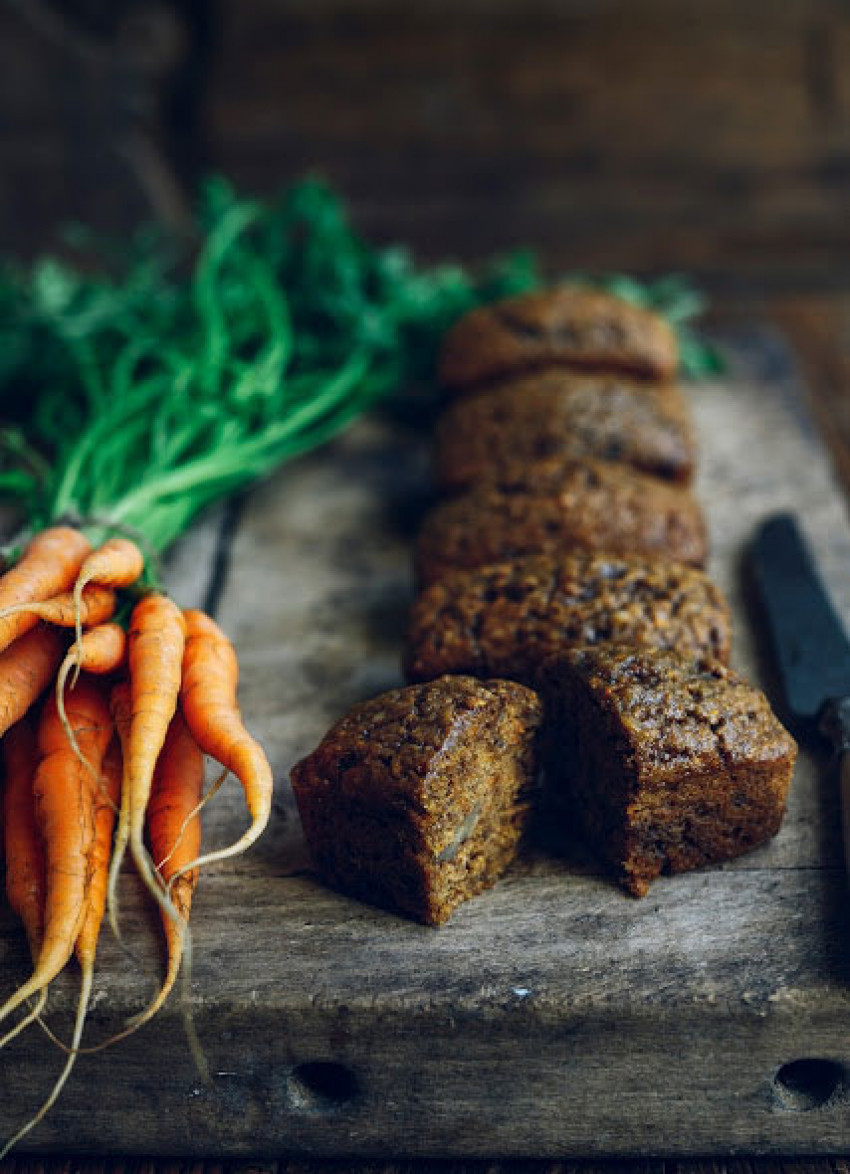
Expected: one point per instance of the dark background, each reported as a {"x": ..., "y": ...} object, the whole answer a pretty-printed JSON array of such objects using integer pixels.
[{"x": 706, "y": 135}]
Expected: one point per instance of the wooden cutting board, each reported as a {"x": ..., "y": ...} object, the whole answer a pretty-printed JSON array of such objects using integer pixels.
[{"x": 553, "y": 1015}]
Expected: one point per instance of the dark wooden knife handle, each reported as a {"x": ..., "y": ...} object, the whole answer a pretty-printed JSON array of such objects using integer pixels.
[{"x": 835, "y": 723}]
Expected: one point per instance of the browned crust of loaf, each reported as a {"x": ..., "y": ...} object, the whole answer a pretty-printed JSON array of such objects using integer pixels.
[
  {"x": 558, "y": 505},
  {"x": 584, "y": 329},
  {"x": 670, "y": 762},
  {"x": 561, "y": 414},
  {"x": 505, "y": 620},
  {"x": 417, "y": 799}
]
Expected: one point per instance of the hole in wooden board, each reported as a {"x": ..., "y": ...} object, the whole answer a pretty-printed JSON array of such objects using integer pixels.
[
  {"x": 803, "y": 1085},
  {"x": 322, "y": 1084}
]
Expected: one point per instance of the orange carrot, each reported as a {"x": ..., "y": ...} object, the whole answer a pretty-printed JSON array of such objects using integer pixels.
[
  {"x": 49, "y": 565},
  {"x": 25, "y": 867},
  {"x": 155, "y": 654},
  {"x": 117, "y": 563},
  {"x": 174, "y": 835},
  {"x": 96, "y": 606},
  {"x": 26, "y": 881},
  {"x": 86, "y": 944},
  {"x": 99, "y": 650},
  {"x": 106, "y": 806},
  {"x": 26, "y": 669},
  {"x": 208, "y": 701},
  {"x": 65, "y": 811}
]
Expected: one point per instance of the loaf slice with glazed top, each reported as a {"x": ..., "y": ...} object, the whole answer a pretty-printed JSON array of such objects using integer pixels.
[
  {"x": 667, "y": 761},
  {"x": 505, "y": 620},
  {"x": 556, "y": 505},
  {"x": 417, "y": 799},
  {"x": 565, "y": 326},
  {"x": 557, "y": 413}
]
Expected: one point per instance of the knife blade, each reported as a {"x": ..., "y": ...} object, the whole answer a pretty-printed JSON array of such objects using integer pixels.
[{"x": 809, "y": 642}]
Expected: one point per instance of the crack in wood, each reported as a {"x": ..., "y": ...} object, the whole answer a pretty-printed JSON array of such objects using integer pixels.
[{"x": 223, "y": 553}]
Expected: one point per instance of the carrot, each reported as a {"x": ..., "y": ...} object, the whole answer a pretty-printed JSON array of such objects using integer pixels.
[
  {"x": 97, "y": 605},
  {"x": 117, "y": 563},
  {"x": 105, "y": 811},
  {"x": 174, "y": 835},
  {"x": 26, "y": 669},
  {"x": 155, "y": 654},
  {"x": 99, "y": 650},
  {"x": 48, "y": 566},
  {"x": 65, "y": 812},
  {"x": 25, "y": 870},
  {"x": 208, "y": 701},
  {"x": 26, "y": 880},
  {"x": 86, "y": 944}
]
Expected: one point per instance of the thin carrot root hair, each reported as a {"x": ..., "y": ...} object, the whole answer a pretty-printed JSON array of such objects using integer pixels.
[
  {"x": 86, "y": 982},
  {"x": 136, "y": 1021},
  {"x": 33, "y": 1015},
  {"x": 210, "y": 793},
  {"x": 100, "y": 650},
  {"x": 208, "y": 700},
  {"x": 96, "y": 607}
]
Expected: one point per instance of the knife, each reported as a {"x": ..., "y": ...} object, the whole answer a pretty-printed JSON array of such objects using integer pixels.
[{"x": 809, "y": 642}]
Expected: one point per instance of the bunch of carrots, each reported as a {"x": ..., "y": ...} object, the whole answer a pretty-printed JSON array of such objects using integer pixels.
[
  {"x": 113, "y": 757},
  {"x": 134, "y": 397}
]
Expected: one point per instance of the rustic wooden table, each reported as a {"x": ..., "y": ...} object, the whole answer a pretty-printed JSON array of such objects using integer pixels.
[{"x": 817, "y": 330}]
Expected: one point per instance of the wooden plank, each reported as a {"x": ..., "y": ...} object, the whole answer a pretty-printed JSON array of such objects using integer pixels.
[
  {"x": 606, "y": 135},
  {"x": 819, "y": 328},
  {"x": 708, "y": 135},
  {"x": 53, "y": 1165},
  {"x": 553, "y": 1015}
]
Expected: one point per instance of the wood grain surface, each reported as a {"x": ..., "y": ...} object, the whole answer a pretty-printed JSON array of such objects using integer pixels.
[
  {"x": 34, "y": 1165},
  {"x": 709, "y": 135},
  {"x": 553, "y": 1015}
]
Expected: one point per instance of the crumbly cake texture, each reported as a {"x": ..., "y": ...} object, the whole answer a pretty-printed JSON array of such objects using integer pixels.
[
  {"x": 668, "y": 762},
  {"x": 505, "y": 620},
  {"x": 417, "y": 799},
  {"x": 557, "y": 413},
  {"x": 559, "y": 505},
  {"x": 564, "y": 326}
]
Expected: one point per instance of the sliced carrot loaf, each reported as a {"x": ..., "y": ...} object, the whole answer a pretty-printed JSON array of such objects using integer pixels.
[
  {"x": 417, "y": 799},
  {"x": 505, "y": 620},
  {"x": 565, "y": 326},
  {"x": 557, "y": 413},
  {"x": 556, "y": 505},
  {"x": 668, "y": 761}
]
